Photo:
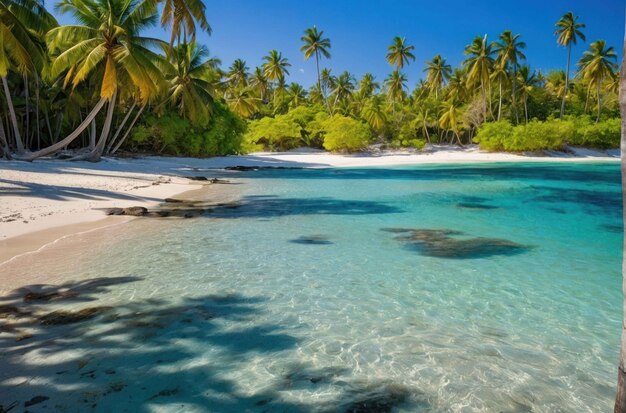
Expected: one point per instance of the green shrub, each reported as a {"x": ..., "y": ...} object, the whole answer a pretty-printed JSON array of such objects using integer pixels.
[
  {"x": 537, "y": 135},
  {"x": 492, "y": 136},
  {"x": 345, "y": 134},
  {"x": 170, "y": 134},
  {"x": 602, "y": 135},
  {"x": 279, "y": 132}
]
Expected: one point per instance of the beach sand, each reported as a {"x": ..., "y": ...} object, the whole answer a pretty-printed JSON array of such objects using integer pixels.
[{"x": 44, "y": 201}]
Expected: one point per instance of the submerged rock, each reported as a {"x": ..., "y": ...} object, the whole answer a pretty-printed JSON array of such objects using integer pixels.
[
  {"x": 49, "y": 296},
  {"x": 446, "y": 243},
  {"x": 312, "y": 240},
  {"x": 475, "y": 205},
  {"x": 136, "y": 211},
  {"x": 67, "y": 317},
  {"x": 36, "y": 400}
]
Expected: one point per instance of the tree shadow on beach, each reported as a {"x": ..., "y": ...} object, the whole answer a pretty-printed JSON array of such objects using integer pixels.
[{"x": 57, "y": 354}]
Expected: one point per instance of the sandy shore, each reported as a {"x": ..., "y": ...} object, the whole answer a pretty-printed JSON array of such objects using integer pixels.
[{"x": 43, "y": 201}]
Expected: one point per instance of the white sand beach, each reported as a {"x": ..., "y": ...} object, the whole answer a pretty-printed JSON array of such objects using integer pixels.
[{"x": 48, "y": 199}]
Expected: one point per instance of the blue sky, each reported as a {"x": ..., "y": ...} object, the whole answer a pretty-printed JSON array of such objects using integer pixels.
[{"x": 360, "y": 31}]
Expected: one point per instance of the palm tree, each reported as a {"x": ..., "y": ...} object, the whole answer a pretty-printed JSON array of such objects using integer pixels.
[
  {"x": 450, "y": 118},
  {"x": 555, "y": 83},
  {"x": 190, "y": 90},
  {"x": 182, "y": 16},
  {"x": 479, "y": 65},
  {"x": 275, "y": 66},
  {"x": 399, "y": 54},
  {"x": 374, "y": 112},
  {"x": 315, "y": 44},
  {"x": 596, "y": 65},
  {"x": 344, "y": 86},
  {"x": 528, "y": 80},
  {"x": 297, "y": 94},
  {"x": 23, "y": 24},
  {"x": 243, "y": 103},
  {"x": 438, "y": 73},
  {"x": 509, "y": 50},
  {"x": 501, "y": 75},
  {"x": 107, "y": 44},
  {"x": 457, "y": 85},
  {"x": 396, "y": 86},
  {"x": 368, "y": 85},
  {"x": 259, "y": 82},
  {"x": 238, "y": 73},
  {"x": 568, "y": 31}
]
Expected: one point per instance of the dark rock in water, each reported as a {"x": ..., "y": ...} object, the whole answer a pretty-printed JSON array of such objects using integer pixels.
[
  {"x": 49, "y": 296},
  {"x": 36, "y": 400},
  {"x": 262, "y": 402},
  {"x": 397, "y": 230},
  {"x": 114, "y": 211},
  {"x": 613, "y": 228},
  {"x": 198, "y": 178},
  {"x": 475, "y": 205},
  {"x": 378, "y": 403},
  {"x": 9, "y": 311},
  {"x": 68, "y": 317},
  {"x": 258, "y": 168},
  {"x": 136, "y": 211},
  {"x": 165, "y": 393},
  {"x": 312, "y": 240},
  {"x": 445, "y": 243},
  {"x": 173, "y": 200}
]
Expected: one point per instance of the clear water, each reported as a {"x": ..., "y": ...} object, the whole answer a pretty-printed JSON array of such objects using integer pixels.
[{"x": 299, "y": 301}]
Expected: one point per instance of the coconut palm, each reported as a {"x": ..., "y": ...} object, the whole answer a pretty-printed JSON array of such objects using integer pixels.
[
  {"x": 108, "y": 44},
  {"x": 399, "y": 54},
  {"x": 296, "y": 94},
  {"x": 275, "y": 66},
  {"x": 237, "y": 74},
  {"x": 243, "y": 102},
  {"x": 181, "y": 16},
  {"x": 396, "y": 86},
  {"x": 23, "y": 24},
  {"x": 450, "y": 118},
  {"x": 597, "y": 65},
  {"x": 315, "y": 44},
  {"x": 368, "y": 85},
  {"x": 374, "y": 112},
  {"x": 438, "y": 73},
  {"x": 568, "y": 31},
  {"x": 509, "y": 50},
  {"x": 457, "y": 85},
  {"x": 501, "y": 76},
  {"x": 555, "y": 83},
  {"x": 344, "y": 86},
  {"x": 528, "y": 80},
  {"x": 190, "y": 90},
  {"x": 259, "y": 83},
  {"x": 479, "y": 65}
]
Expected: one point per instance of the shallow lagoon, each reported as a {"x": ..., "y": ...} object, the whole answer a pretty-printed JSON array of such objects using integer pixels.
[{"x": 470, "y": 288}]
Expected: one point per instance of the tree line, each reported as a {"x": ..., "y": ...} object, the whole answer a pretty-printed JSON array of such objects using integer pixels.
[{"x": 88, "y": 89}]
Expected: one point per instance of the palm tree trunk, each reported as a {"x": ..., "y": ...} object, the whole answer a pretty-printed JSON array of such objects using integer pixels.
[
  {"x": 3, "y": 142},
  {"x": 526, "y": 108},
  {"x": 130, "y": 127},
  {"x": 95, "y": 155},
  {"x": 26, "y": 101},
  {"x": 69, "y": 138},
  {"x": 92, "y": 135},
  {"x": 599, "y": 102},
  {"x": 16, "y": 131},
  {"x": 482, "y": 88},
  {"x": 569, "y": 52},
  {"x": 319, "y": 81},
  {"x": 500, "y": 101},
  {"x": 119, "y": 129},
  {"x": 620, "y": 397},
  {"x": 514, "y": 89}
]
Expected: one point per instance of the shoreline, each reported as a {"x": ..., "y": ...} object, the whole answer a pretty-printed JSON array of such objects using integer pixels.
[{"x": 47, "y": 201}]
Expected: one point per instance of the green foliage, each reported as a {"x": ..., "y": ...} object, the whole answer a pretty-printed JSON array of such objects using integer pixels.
[
  {"x": 170, "y": 134},
  {"x": 277, "y": 133},
  {"x": 345, "y": 134},
  {"x": 550, "y": 134}
]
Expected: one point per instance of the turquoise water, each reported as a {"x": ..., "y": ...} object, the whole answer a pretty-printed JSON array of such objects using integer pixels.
[{"x": 471, "y": 288}]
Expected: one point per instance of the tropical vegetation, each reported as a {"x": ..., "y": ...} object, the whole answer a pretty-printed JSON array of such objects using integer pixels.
[{"x": 101, "y": 86}]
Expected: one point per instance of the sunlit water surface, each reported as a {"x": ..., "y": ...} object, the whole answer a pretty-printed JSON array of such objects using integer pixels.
[{"x": 323, "y": 291}]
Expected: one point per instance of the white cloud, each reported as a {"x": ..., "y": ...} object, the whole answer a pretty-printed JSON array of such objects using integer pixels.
[{"x": 301, "y": 70}]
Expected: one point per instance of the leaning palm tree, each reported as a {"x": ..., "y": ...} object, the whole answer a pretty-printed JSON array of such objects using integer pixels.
[
  {"x": 107, "y": 44},
  {"x": 568, "y": 31},
  {"x": 182, "y": 16},
  {"x": 500, "y": 75},
  {"x": 450, "y": 118},
  {"x": 399, "y": 54},
  {"x": 509, "y": 50},
  {"x": 438, "y": 73},
  {"x": 597, "y": 65},
  {"x": 243, "y": 102},
  {"x": 23, "y": 24},
  {"x": 315, "y": 44},
  {"x": 259, "y": 83},
  {"x": 479, "y": 65}
]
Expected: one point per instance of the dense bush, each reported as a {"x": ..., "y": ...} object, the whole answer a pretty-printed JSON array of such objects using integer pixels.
[
  {"x": 172, "y": 135},
  {"x": 278, "y": 133},
  {"x": 549, "y": 134},
  {"x": 345, "y": 134}
]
